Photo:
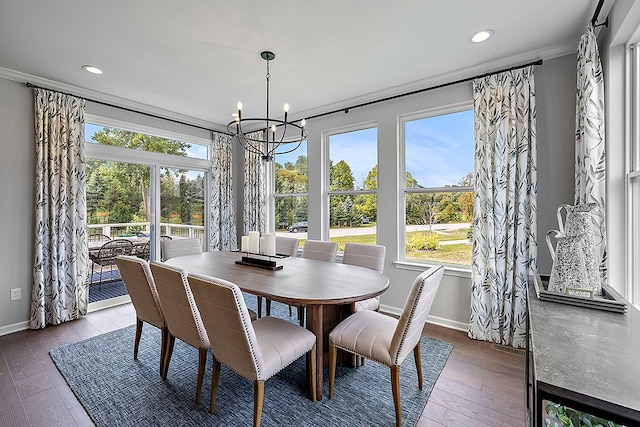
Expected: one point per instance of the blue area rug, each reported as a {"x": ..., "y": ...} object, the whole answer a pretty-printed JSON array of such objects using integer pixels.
[{"x": 116, "y": 390}]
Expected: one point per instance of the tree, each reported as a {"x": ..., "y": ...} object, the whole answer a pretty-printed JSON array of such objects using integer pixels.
[
  {"x": 366, "y": 204},
  {"x": 116, "y": 185}
]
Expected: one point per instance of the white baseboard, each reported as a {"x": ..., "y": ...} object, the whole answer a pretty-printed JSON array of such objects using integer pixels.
[
  {"x": 440, "y": 321},
  {"x": 112, "y": 302},
  {"x": 16, "y": 327}
]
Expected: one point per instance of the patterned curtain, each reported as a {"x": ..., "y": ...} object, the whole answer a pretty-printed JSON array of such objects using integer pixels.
[
  {"x": 504, "y": 224},
  {"x": 590, "y": 141},
  {"x": 222, "y": 226},
  {"x": 61, "y": 255},
  {"x": 255, "y": 210}
]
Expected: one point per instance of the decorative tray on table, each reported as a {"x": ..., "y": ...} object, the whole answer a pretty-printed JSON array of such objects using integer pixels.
[
  {"x": 260, "y": 260},
  {"x": 610, "y": 300}
]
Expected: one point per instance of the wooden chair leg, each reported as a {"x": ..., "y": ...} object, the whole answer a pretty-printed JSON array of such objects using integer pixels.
[
  {"x": 163, "y": 348},
  {"x": 395, "y": 388},
  {"x": 258, "y": 398},
  {"x": 167, "y": 357},
  {"x": 215, "y": 377},
  {"x": 332, "y": 367},
  {"x": 311, "y": 368},
  {"x": 259, "y": 307},
  {"x": 290, "y": 312},
  {"x": 416, "y": 356},
  {"x": 268, "y": 308},
  {"x": 136, "y": 342},
  {"x": 202, "y": 362}
]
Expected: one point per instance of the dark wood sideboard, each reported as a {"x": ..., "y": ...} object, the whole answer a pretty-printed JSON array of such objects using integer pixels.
[{"x": 583, "y": 358}]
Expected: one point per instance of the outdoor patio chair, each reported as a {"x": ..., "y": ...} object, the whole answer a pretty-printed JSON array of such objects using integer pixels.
[
  {"x": 385, "y": 339},
  {"x": 255, "y": 350},
  {"x": 106, "y": 256}
]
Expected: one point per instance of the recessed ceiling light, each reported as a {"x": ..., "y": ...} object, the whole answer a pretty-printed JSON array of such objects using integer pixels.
[
  {"x": 92, "y": 69},
  {"x": 481, "y": 36}
]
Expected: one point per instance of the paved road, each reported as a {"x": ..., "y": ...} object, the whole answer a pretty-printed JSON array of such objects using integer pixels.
[{"x": 338, "y": 232}]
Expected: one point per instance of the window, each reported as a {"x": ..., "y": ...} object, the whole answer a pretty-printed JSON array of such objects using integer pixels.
[
  {"x": 145, "y": 185},
  {"x": 290, "y": 192},
  {"x": 438, "y": 186},
  {"x": 353, "y": 185},
  {"x": 633, "y": 183}
]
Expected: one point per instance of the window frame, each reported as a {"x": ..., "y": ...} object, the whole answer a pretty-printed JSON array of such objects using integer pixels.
[
  {"x": 326, "y": 162},
  {"x": 403, "y": 261},
  {"x": 632, "y": 182}
]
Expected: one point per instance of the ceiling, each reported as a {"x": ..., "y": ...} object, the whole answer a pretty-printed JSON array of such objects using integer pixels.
[{"x": 196, "y": 58}]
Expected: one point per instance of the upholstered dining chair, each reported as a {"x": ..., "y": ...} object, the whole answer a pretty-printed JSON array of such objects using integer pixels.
[
  {"x": 320, "y": 250},
  {"x": 284, "y": 246},
  {"x": 141, "y": 287},
  {"x": 256, "y": 350},
  {"x": 172, "y": 248},
  {"x": 368, "y": 256},
  {"x": 385, "y": 339},
  {"x": 182, "y": 316}
]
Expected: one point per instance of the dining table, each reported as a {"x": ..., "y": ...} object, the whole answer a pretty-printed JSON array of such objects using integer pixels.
[{"x": 328, "y": 290}]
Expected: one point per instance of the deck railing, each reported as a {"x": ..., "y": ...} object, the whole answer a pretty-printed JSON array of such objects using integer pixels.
[{"x": 125, "y": 229}]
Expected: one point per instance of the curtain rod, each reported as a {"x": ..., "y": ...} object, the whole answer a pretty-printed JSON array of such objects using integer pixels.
[
  {"x": 389, "y": 98},
  {"x": 345, "y": 110},
  {"x": 131, "y": 110},
  {"x": 594, "y": 19}
]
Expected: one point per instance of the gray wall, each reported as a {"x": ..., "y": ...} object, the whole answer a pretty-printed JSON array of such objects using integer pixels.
[
  {"x": 16, "y": 192},
  {"x": 555, "y": 86}
]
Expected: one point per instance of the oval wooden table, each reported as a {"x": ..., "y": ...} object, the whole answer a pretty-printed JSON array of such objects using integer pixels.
[{"x": 327, "y": 289}]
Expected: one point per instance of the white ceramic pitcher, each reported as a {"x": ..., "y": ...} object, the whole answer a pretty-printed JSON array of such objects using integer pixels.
[{"x": 576, "y": 241}]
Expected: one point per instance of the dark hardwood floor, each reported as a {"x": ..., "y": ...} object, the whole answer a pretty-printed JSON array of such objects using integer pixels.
[{"x": 479, "y": 386}]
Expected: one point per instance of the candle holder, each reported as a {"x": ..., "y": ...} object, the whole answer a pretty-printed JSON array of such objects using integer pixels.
[{"x": 260, "y": 260}]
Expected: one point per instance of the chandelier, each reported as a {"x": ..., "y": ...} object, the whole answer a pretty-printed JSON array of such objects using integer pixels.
[{"x": 271, "y": 136}]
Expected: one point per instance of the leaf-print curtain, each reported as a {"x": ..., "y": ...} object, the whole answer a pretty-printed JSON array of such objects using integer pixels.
[
  {"x": 504, "y": 224},
  {"x": 59, "y": 292},
  {"x": 222, "y": 225},
  {"x": 590, "y": 141},
  {"x": 255, "y": 210}
]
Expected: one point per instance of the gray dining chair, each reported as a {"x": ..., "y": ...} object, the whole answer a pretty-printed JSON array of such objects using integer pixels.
[
  {"x": 182, "y": 316},
  {"x": 369, "y": 256},
  {"x": 385, "y": 339},
  {"x": 284, "y": 246},
  {"x": 320, "y": 250},
  {"x": 141, "y": 287},
  {"x": 255, "y": 350},
  {"x": 171, "y": 248}
]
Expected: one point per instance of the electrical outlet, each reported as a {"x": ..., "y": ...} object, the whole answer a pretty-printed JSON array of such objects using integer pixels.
[{"x": 15, "y": 294}]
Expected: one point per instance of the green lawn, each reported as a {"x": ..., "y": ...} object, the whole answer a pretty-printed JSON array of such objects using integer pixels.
[{"x": 459, "y": 253}]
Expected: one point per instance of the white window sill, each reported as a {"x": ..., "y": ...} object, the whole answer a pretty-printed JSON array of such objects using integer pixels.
[{"x": 449, "y": 270}]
